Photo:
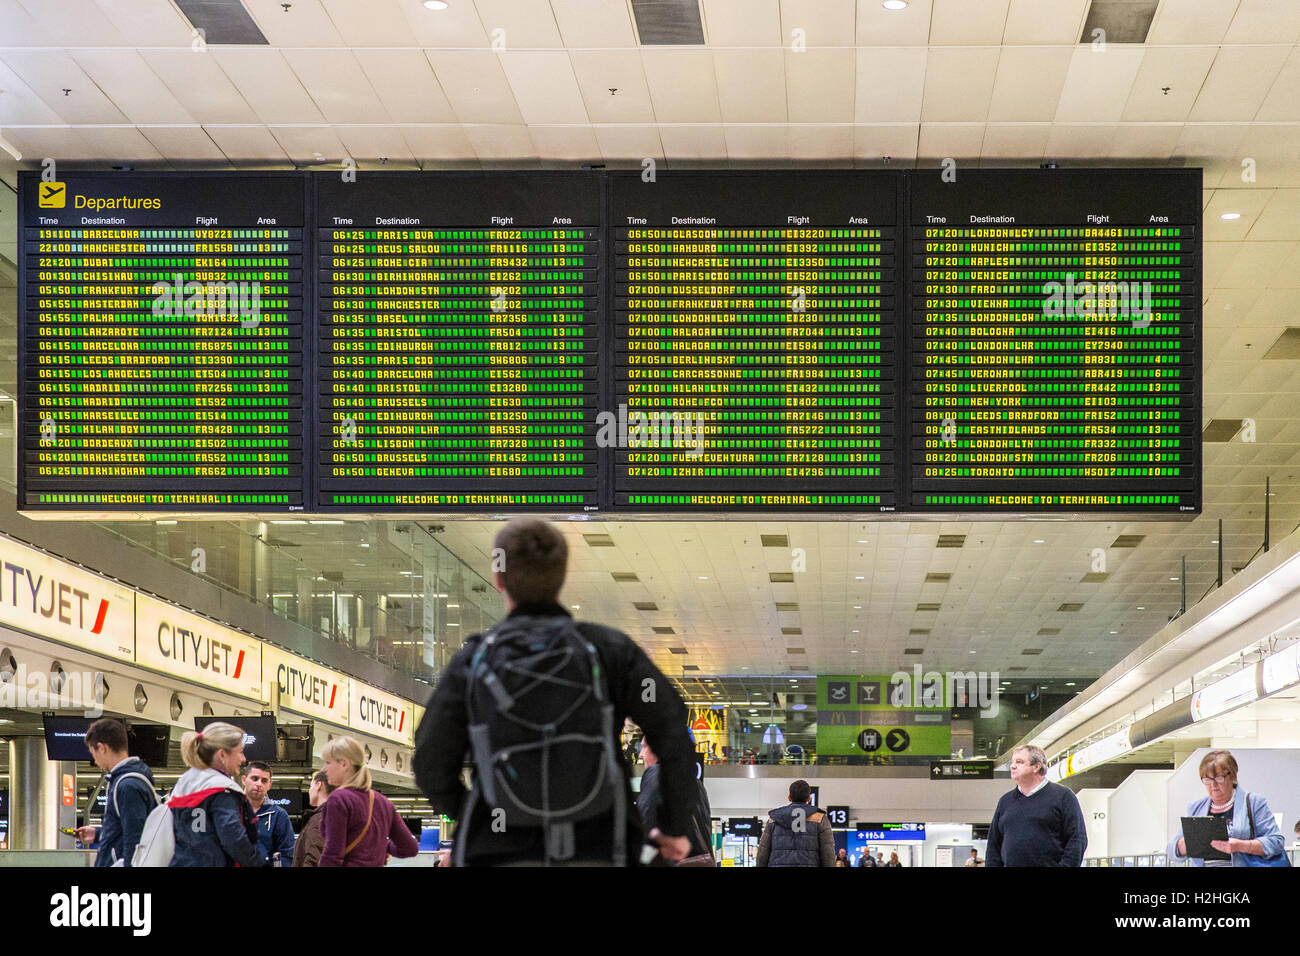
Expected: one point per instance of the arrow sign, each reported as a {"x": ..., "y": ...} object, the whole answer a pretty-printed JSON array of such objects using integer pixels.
[{"x": 898, "y": 740}]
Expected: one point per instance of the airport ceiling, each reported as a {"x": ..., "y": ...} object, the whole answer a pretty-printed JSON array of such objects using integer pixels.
[{"x": 1216, "y": 84}]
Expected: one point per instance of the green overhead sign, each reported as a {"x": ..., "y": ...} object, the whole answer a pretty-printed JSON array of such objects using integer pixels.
[{"x": 873, "y": 715}]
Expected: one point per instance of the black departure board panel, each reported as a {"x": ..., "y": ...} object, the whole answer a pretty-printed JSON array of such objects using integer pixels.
[
  {"x": 1055, "y": 341},
  {"x": 161, "y": 345},
  {"x": 458, "y": 337},
  {"x": 755, "y": 337}
]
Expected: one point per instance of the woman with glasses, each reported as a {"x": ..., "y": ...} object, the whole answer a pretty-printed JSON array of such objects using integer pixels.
[{"x": 1252, "y": 830}]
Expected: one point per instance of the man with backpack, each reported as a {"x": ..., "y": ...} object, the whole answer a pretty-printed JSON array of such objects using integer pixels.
[
  {"x": 797, "y": 835},
  {"x": 130, "y": 794},
  {"x": 539, "y": 701}
]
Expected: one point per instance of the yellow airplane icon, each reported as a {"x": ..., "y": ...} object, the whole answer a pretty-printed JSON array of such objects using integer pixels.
[{"x": 52, "y": 196}]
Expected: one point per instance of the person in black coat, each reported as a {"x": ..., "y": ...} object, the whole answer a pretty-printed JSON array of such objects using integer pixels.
[{"x": 130, "y": 794}]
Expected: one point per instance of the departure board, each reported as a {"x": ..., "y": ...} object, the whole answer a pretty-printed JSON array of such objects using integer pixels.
[
  {"x": 1055, "y": 357},
  {"x": 459, "y": 332},
  {"x": 754, "y": 325},
  {"x": 161, "y": 342}
]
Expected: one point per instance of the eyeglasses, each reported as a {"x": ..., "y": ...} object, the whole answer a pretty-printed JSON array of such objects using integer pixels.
[{"x": 1209, "y": 780}]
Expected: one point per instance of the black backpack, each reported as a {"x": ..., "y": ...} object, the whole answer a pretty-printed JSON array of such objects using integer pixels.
[{"x": 541, "y": 729}]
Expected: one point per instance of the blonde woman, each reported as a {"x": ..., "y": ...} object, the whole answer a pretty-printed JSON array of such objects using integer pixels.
[
  {"x": 360, "y": 827},
  {"x": 212, "y": 820}
]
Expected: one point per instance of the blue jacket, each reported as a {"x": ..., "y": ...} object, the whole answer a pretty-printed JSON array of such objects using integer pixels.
[
  {"x": 1266, "y": 831},
  {"x": 212, "y": 821},
  {"x": 130, "y": 800},
  {"x": 274, "y": 832}
]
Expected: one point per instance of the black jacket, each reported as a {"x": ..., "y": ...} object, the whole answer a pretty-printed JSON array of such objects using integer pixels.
[
  {"x": 442, "y": 749},
  {"x": 648, "y": 802},
  {"x": 798, "y": 834}
]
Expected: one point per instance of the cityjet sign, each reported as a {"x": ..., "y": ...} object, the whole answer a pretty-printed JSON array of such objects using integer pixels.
[
  {"x": 308, "y": 688},
  {"x": 59, "y": 601},
  {"x": 382, "y": 714},
  {"x": 192, "y": 648}
]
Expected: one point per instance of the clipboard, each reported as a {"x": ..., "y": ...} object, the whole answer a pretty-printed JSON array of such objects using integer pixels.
[{"x": 1199, "y": 831}]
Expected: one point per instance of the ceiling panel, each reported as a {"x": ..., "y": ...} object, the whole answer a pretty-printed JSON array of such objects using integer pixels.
[
  {"x": 1010, "y": 142},
  {"x": 1280, "y": 219},
  {"x": 823, "y": 22},
  {"x": 1097, "y": 84},
  {"x": 959, "y": 84},
  {"x": 1078, "y": 142},
  {"x": 1168, "y": 82},
  {"x": 502, "y": 143},
  {"x": 820, "y": 86},
  {"x": 756, "y": 142},
  {"x": 369, "y": 143},
  {"x": 1265, "y": 21},
  {"x": 692, "y": 143},
  {"x": 404, "y": 82},
  {"x": 133, "y": 86},
  {"x": 872, "y": 144},
  {"x": 456, "y": 27},
  {"x": 890, "y": 85},
  {"x": 267, "y": 84},
  {"x": 751, "y": 85},
  {"x": 1283, "y": 100},
  {"x": 305, "y": 24},
  {"x": 119, "y": 145},
  {"x": 598, "y": 73},
  {"x": 959, "y": 142},
  {"x": 70, "y": 23},
  {"x": 1045, "y": 21},
  {"x": 185, "y": 144},
  {"x": 566, "y": 144},
  {"x": 968, "y": 22},
  {"x": 682, "y": 86},
  {"x": 1144, "y": 142},
  {"x": 373, "y": 23},
  {"x": 249, "y": 147},
  {"x": 822, "y": 145},
  {"x": 337, "y": 85},
  {"x": 475, "y": 86},
  {"x": 907, "y": 27},
  {"x": 1190, "y": 21},
  {"x": 201, "y": 86},
  {"x": 147, "y": 22},
  {"x": 1238, "y": 82},
  {"x": 630, "y": 143},
  {"x": 524, "y": 24},
  {"x": 1013, "y": 99},
  {"x": 310, "y": 145},
  {"x": 434, "y": 145},
  {"x": 48, "y": 74},
  {"x": 19, "y": 28},
  {"x": 545, "y": 88},
  {"x": 601, "y": 26},
  {"x": 743, "y": 23},
  {"x": 19, "y": 104}
]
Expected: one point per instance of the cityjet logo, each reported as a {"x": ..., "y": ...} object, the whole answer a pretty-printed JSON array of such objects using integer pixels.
[
  {"x": 223, "y": 300},
  {"x": 75, "y": 909},
  {"x": 1102, "y": 300},
  {"x": 195, "y": 650},
  {"x": 382, "y": 715},
  {"x": 55, "y": 689},
  {"x": 302, "y": 686},
  {"x": 655, "y": 430},
  {"x": 52, "y": 599},
  {"x": 953, "y": 689}
]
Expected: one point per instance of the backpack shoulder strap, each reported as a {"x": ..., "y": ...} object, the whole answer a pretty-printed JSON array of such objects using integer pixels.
[
  {"x": 353, "y": 845},
  {"x": 139, "y": 776},
  {"x": 1250, "y": 815}
]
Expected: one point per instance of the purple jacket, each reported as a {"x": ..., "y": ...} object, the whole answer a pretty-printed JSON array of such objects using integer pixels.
[{"x": 343, "y": 817}]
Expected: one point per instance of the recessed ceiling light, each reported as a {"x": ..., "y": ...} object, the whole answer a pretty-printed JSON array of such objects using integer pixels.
[
  {"x": 858, "y": 577},
  {"x": 854, "y": 651},
  {"x": 1141, "y": 608},
  {"x": 1069, "y": 683},
  {"x": 576, "y": 607},
  {"x": 894, "y": 4},
  {"x": 862, "y": 540},
  {"x": 855, "y": 630},
  {"x": 1173, "y": 579},
  {"x": 972, "y": 652},
  {"x": 1231, "y": 215},
  {"x": 857, "y": 607},
  {"x": 435, "y": 4},
  {"x": 1039, "y": 541},
  {"x": 1114, "y": 632}
]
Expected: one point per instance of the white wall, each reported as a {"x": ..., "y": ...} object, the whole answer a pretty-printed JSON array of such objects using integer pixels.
[
  {"x": 947, "y": 834},
  {"x": 1136, "y": 814},
  {"x": 1275, "y": 774},
  {"x": 1095, "y": 804}
]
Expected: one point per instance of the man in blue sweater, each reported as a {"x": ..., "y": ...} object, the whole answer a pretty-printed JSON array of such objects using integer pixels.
[
  {"x": 1039, "y": 823},
  {"x": 274, "y": 829},
  {"x": 130, "y": 795}
]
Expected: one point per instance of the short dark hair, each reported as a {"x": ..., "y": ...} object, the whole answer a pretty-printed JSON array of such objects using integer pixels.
[
  {"x": 108, "y": 731},
  {"x": 535, "y": 559},
  {"x": 259, "y": 765},
  {"x": 320, "y": 777},
  {"x": 800, "y": 791}
]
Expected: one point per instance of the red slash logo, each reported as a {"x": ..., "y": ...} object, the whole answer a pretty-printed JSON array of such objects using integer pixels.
[
  {"x": 334, "y": 689},
  {"x": 239, "y": 665},
  {"x": 103, "y": 613},
  {"x": 401, "y": 722}
]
